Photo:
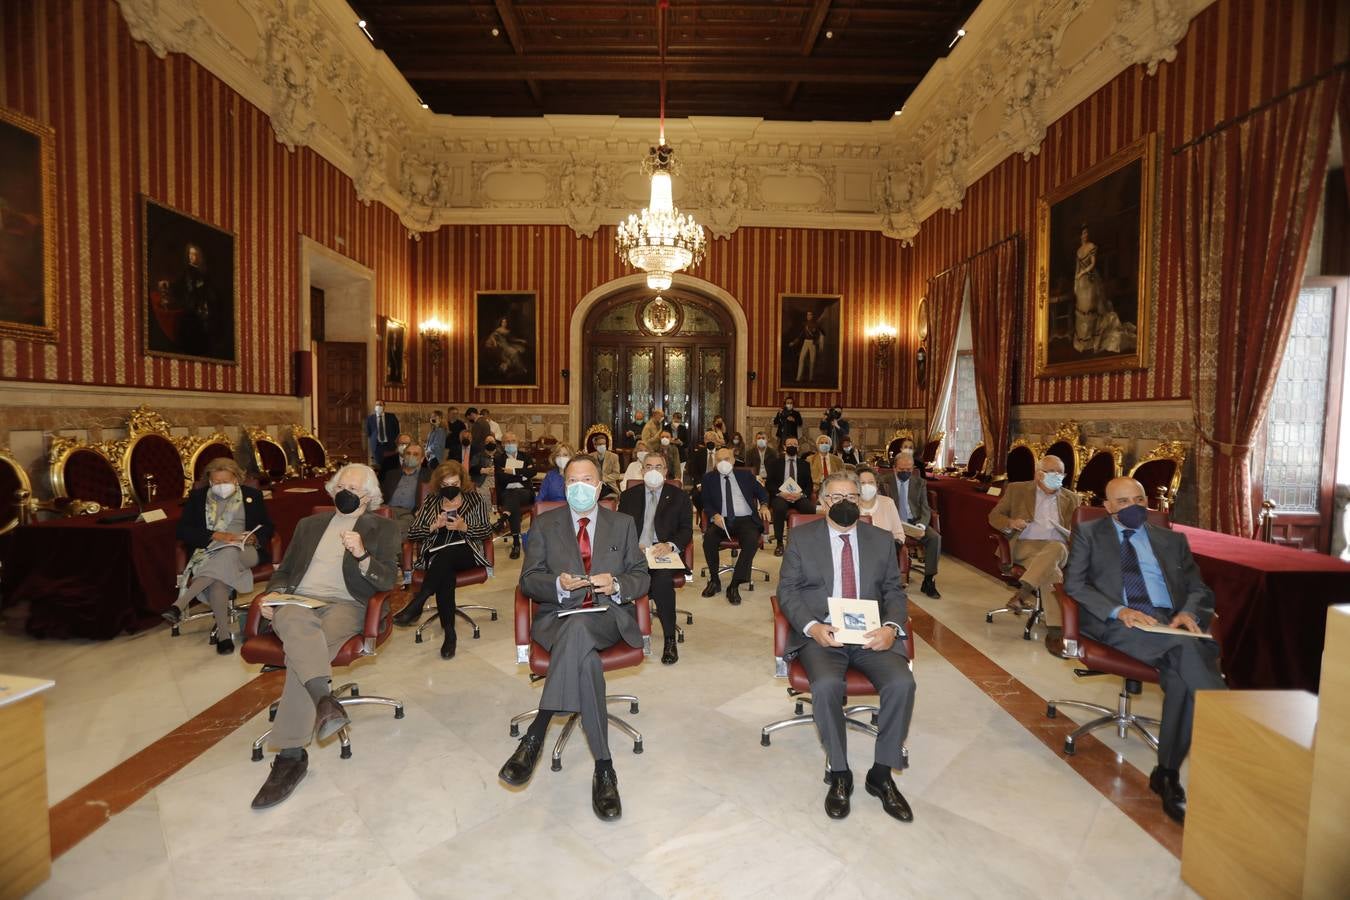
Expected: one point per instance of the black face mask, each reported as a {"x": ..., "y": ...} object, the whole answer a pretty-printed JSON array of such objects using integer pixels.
[
  {"x": 845, "y": 513},
  {"x": 449, "y": 492},
  {"x": 790, "y": 451},
  {"x": 903, "y": 476},
  {"x": 466, "y": 440},
  {"x": 346, "y": 502},
  {"x": 491, "y": 448}
]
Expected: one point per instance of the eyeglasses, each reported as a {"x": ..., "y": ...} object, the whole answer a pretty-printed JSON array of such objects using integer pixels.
[{"x": 838, "y": 498}]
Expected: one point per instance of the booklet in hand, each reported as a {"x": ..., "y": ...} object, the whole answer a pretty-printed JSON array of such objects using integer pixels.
[
  {"x": 852, "y": 619},
  {"x": 790, "y": 486},
  {"x": 1179, "y": 632},
  {"x": 914, "y": 530},
  {"x": 664, "y": 559},
  {"x": 293, "y": 600}
]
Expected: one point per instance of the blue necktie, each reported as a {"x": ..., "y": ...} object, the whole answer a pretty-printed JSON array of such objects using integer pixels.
[{"x": 1132, "y": 577}]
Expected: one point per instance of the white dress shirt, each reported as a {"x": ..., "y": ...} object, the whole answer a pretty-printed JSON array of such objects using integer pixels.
[{"x": 740, "y": 507}]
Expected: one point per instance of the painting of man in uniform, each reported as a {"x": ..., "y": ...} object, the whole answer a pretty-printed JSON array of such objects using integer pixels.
[{"x": 189, "y": 304}]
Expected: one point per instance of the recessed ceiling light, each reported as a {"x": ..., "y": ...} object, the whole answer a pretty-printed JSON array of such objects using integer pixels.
[
  {"x": 361, "y": 24},
  {"x": 425, "y": 106},
  {"x": 829, "y": 35},
  {"x": 495, "y": 32},
  {"x": 960, "y": 33}
]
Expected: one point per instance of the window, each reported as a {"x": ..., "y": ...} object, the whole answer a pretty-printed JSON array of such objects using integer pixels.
[
  {"x": 965, "y": 412},
  {"x": 1298, "y": 406}
]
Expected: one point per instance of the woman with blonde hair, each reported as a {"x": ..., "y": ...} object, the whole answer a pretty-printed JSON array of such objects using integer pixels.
[
  {"x": 553, "y": 487},
  {"x": 226, "y": 526}
]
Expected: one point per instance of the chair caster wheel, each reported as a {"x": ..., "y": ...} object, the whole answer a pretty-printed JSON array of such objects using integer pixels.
[
  {"x": 637, "y": 746},
  {"x": 417, "y": 638},
  {"x": 689, "y": 620},
  {"x": 633, "y": 708},
  {"x": 346, "y": 752},
  {"x": 1069, "y": 748},
  {"x": 257, "y": 754},
  {"x": 476, "y": 634},
  {"x": 799, "y": 709},
  {"x": 398, "y": 712},
  {"x": 679, "y": 638},
  {"x": 1026, "y": 634},
  {"x": 212, "y": 640},
  {"x": 272, "y": 714},
  {"x": 749, "y": 585},
  {"x": 874, "y": 718},
  {"x": 173, "y": 631},
  {"x": 494, "y": 615},
  {"x": 356, "y": 691},
  {"x": 1050, "y": 711},
  {"x": 515, "y": 731},
  {"x": 989, "y": 618},
  {"x": 556, "y": 765},
  {"x": 764, "y": 740}
]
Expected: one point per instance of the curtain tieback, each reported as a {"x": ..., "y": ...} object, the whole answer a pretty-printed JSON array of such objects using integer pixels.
[{"x": 1224, "y": 447}]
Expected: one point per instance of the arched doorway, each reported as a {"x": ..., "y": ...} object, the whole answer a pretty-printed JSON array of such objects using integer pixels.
[{"x": 675, "y": 351}]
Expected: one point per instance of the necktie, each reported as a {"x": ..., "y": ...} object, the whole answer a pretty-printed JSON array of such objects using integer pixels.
[
  {"x": 380, "y": 424},
  {"x": 792, "y": 469},
  {"x": 649, "y": 519},
  {"x": 848, "y": 580},
  {"x": 584, "y": 545},
  {"x": 728, "y": 506},
  {"x": 1136, "y": 590}
]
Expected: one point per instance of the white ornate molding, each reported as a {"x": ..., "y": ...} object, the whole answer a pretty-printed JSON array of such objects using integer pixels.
[{"x": 1022, "y": 65}]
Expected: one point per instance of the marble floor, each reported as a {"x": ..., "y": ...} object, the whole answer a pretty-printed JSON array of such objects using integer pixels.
[{"x": 708, "y": 812}]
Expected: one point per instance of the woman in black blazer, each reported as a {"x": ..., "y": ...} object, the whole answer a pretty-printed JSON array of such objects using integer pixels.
[{"x": 226, "y": 526}]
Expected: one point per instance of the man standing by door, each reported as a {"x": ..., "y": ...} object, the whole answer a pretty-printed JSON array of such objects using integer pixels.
[{"x": 381, "y": 433}]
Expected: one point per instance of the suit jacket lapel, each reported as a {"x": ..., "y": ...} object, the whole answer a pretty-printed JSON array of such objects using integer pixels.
[
  {"x": 600, "y": 542},
  {"x": 569, "y": 538}
]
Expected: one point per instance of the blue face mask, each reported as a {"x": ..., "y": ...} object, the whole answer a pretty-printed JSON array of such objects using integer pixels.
[
  {"x": 511, "y": 449},
  {"x": 581, "y": 496},
  {"x": 903, "y": 476},
  {"x": 1053, "y": 480},
  {"x": 1133, "y": 516}
]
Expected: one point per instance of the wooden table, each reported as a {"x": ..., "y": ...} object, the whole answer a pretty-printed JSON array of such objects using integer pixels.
[{"x": 25, "y": 840}]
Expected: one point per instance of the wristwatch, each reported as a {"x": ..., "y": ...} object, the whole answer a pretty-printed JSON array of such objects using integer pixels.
[
  {"x": 896, "y": 628},
  {"x": 363, "y": 557}
]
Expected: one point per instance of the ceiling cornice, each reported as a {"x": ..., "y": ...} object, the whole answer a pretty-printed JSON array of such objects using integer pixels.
[{"x": 1022, "y": 65}]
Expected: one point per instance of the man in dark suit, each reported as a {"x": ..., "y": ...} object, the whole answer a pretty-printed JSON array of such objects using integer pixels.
[
  {"x": 842, "y": 557},
  {"x": 1126, "y": 573},
  {"x": 848, "y": 452},
  {"x": 381, "y": 432},
  {"x": 908, "y": 488},
  {"x": 401, "y": 486},
  {"x": 758, "y": 458},
  {"x": 700, "y": 463},
  {"x": 787, "y": 422},
  {"x": 515, "y": 485},
  {"x": 342, "y": 558},
  {"x": 661, "y": 511},
  {"x": 580, "y": 555},
  {"x": 788, "y": 467},
  {"x": 680, "y": 434},
  {"x": 737, "y": 506},
  {"x": 455, "y": 424},
  {"x": 480, "y": 428}
]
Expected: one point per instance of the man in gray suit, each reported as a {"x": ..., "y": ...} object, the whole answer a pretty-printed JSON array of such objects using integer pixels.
[
  {"x": 342, "y": 558},
  {"x": 842, "y": 557},
  {"x": 580, "y": 555},
  {"x": 909, "y": 489},
  {"x": 1125, "y": 573}
]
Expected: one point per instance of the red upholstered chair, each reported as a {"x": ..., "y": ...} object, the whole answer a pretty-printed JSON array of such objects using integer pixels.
[
  {"x": 1021, "y": 463},
  {"x": 261, "y": 573},
  {"x": 464, "y": 578},
  {"x": 913, "y": 549},
  {"x": 975, "y": 464},
  {"x": 216, "y": 447},
  {"x": 267, "y": 650},
  {"x": 155, "y": 469},
  {"x": 856, "y": 684},
  {"x": 1012, "y": 573},
  {"x": 1103, "y": 464},
  {"x": 619, "y": 656},
  {"x": 1100, "y": 659},
  {"x": 704, "y": 520},
  {"x": 86, "y": 473},
  {"x": 269, "y": 455}
]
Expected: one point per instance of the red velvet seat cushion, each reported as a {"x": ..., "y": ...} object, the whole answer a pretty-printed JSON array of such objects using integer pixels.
[
  {"x": 620, "y": 656},
  {"x": 856, "y": 684},
  {"x": 90, "y": 476},
  {"x": 1099, "y": 470},
  {"x": 1101, "y": 658},
  {"x": 156, "y": 455}
]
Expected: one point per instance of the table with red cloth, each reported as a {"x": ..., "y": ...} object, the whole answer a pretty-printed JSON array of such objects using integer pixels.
[
  {"x": 1271, "y": 600},
  {"x": 90, "y": 579}
]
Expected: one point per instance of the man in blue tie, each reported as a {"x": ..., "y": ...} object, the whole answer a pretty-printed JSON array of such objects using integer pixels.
[{"x": 1126, "y": 573}]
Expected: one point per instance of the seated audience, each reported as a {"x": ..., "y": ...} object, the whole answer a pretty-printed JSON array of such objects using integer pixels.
[
  {"x": 515, "y": 487},
  {"x": 435, "y": 443},
  {"x": 392, "y": 461},
  {"x": 737, "y": 445},
  {"x": 842, "y": 557},
  {"x": 700, "y": 463},
  {"x": 848, "y": 453},
  {"x": 909, "y": 490},
  {"x": 824, "y": 462},
  {"x": 635, "y": 469},
  {"x": 342, "y": 558},
  {"x": 788, "y": 468},
  {"x": 759, "y": 457},
  {"x": 662, "y": 514},
  {"x": 1125, "y": 573},
  {"x": 451, "y": 526},
  {"x": 613, "y": 573},
  {"x": 1037, "y": 516},
  {"x": 679, "y": 433},
  {"x": 218, "y": 525},
  {"x": 877, "y": 505},
  {"x": 720, "y": 428},
  {"x": 672, "y": 455},
  {"x": 552, "y": 489},
  {"x": 737, "y": 508},
  {"x": 608, "y": 461},
  {"x": 656, "y": 423},
  {"x": 633, "y": 433},
  {"x": 401, "y": 486}
]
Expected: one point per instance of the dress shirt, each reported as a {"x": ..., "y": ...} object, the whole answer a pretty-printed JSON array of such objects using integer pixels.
[
  {"x": 405, "y": 495},
  {"x": 1148, "y": 567},
  {"x": 565, "y": 595},
  {"x": 837, "y": 560},
  {"x": 902, "y": 499},
  {"x": 436, "y": 443},
  {"x": 740, "y": 507},
  {"x": 1043, "y": 522}
]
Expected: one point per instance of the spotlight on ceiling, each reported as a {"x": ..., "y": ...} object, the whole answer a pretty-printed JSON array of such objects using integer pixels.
[{"x": 960, "y": 33}]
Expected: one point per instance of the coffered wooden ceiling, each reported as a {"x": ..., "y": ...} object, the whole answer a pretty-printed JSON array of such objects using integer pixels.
[{"x": 853, "y": 60}]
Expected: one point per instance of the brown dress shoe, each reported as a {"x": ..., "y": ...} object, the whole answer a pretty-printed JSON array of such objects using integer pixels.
[
  {"x": 330, "y": 719},
  {"x": 281, "y": 781}
]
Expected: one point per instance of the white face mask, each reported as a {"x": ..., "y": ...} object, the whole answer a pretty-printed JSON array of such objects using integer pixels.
[
  {"x": 223, "y": 491},
  {"x": 665, "y": 442},
  {"x": 869, "y": 492},
  {"x": 823, "y": 446},
  {"x": 600, "y": 448},
  {"x": 725, "y": 467},
  {"x": 402, "y": 447},
  {"x": 761, "y": 443},
  {"x": 562, "y": 462},
  {"x": 641, "y": 455},
  {"x": 653, "y": 478}
]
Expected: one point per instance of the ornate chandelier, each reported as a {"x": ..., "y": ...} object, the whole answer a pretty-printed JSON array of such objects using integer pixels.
[{"x": 661, "y": 240}]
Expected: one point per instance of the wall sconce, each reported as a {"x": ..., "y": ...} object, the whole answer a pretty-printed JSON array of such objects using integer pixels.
[
  {"x": 434, "y": 332},
  {"x": 882, "y": 337}
]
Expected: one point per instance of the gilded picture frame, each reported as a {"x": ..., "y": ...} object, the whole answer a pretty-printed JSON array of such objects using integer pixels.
[
  {"x": 506, "y": 339},
  {"x": 1095, "y": 266},
  {"x": 189, "y": 305},
  {"x": 28, "y": 234},
  {"x": 801, "y": 369}
]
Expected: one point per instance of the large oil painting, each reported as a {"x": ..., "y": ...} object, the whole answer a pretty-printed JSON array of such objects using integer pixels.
[
  {"x": 190, "y": 309},
  {"x": 506, "y": 339},
  {"x": 28, "y": 307},
  {"x": 809, "y": 342}
]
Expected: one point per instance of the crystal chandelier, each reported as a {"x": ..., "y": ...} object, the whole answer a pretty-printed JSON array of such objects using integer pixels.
[{"x": 661, "y": 240}]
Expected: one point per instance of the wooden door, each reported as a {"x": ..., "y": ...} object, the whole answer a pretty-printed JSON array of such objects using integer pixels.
[{"x": 342, "y": 393}]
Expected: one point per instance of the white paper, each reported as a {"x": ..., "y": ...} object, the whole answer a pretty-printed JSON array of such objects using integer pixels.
[
  {"x": 913, "y": 530},
  {"x": 293, "y": 600},
  {"x": 152, "y": 515},
  {"x": 664, "y": 560},
  {"x": 853, "y": 618},
  {"x": 1168, "y": 629},
  {"x": 790, "y": 486},
  {"x": 995, "y": 492},
  {"x": 582, "y": 609},
  {"x": 513, "y": 465}
]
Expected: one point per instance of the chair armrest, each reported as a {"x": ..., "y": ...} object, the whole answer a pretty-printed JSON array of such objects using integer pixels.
[
  {"x": 408, "y": 554},
  {"x": 523, "y": 619},
  {"x": 274, "y": 547},
  {"x": 644, "y": 620},
  {"x": 781, "y": 628},
  {"x": 1003, "y": 549},
  {"x": 1068, "y": 610},
  {"x": 689, "y": 556},
  {"x": 378, "y": 621},
  {"x": 254, "y": 616}
]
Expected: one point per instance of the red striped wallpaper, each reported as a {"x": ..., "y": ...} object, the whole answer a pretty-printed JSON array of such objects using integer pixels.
[
  {"x": 1237, "y": 54},
  {"x": 129, "y": 123},
  {"x": 754, "y": 265}
]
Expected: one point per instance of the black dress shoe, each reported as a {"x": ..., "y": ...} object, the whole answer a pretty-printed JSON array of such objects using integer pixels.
[
  {"x": 930, "y": 589},
  {"x": 892, "y": 801},
  {"x": 173, "y": 615},
  {"x": 225, "y": 647},
  {"x": 518, "y": 769},
  {"x": 330, "y": 719},
  {"x": 836, "y": 799},
  {"x": 281, "y": 781},
  {"x": 713, "y": 588},
  {"x": 1173, "y": 796},
  {"x": 1054, "y": 640},
  {"x": 515, "y": 551},
  {"x": 411, "y": 613},
  {"x": 734, "y": 595},
  {"x": 669, "y": 655},
  {"x": 778, "y": 551},
  {"x": 605, "y": 795},
  {"x": 449, "y": 645}
]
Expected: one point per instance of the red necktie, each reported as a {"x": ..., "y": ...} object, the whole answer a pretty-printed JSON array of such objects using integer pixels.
[
  {"x": 849, "y": 581},
  {"x": 584, "y": 545},
  {"x": 825, "y": 461}
]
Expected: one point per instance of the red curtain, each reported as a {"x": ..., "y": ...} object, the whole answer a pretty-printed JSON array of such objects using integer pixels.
[
  {"x": 1252, "y": 195},
  {"x": 944, "y": 319},
  {"x": 993, "y": 331}
]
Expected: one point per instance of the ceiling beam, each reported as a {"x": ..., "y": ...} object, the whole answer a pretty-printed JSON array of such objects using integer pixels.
[
  {"x": 558, "y": 67},
  {"x": 511, "y": 25},
  {"x": 813, "y": 26}
]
